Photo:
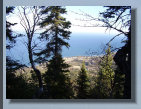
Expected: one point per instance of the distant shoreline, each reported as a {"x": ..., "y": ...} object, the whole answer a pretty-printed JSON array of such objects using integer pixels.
[
  {"x": 82, "y": 56},
  {"x": 74, "y": 58},
  {"x": 88, "y": 55},
  {"x": 75, "y": 63}
]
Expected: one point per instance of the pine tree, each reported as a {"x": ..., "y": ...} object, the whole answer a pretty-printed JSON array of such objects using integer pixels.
[
  {"x": 83, "y": 83},
  {"x": 57, "y": 79},
  {"x": 119, "y": 80},
  {"x": 9, "y": 33},
  {"x": 106, "y": 74},
  {"x": 121, "y": 16},
  {"x": 56, "y": 33}
]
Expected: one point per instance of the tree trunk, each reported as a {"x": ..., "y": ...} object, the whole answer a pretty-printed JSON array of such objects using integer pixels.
[
  {"x": 38, "y": 73},
  {"x": 56, "y": 42}
]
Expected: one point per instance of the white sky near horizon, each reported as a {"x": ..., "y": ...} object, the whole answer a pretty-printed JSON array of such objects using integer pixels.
[{"x": 75, "y": 19}]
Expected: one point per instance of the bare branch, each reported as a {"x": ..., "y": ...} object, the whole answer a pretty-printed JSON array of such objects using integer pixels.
[
  {"x": 27, "y": 20},
  {"x": 119, "y": 16},
  {"x": 102, "y": 22},
  {"x": 113, "y": 38}
]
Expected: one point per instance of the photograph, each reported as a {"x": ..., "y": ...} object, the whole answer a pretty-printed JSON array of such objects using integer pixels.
[{"x": 68, "y": 52}]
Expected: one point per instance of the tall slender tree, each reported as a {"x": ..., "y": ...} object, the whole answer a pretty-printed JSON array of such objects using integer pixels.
[
  {"x": 56, "y": 30},
  {"x": 106, "y": 74},
  {"x": 12, "y": 88},
  {"x": 83, "y": 83},
  {"x": 56, "y": 34},
  {"x": 29, "y": 18}
]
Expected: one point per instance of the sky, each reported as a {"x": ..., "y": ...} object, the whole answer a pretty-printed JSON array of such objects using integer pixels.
[
  {"x": 79, "y": 19},
  {"x": 74, "y": 18}
]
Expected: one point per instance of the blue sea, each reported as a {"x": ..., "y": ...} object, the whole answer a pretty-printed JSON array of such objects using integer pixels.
[{"x": 80, "y": 45}]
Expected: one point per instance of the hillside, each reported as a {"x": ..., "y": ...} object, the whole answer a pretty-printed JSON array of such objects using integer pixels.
[{"x": 74, "y": 62}]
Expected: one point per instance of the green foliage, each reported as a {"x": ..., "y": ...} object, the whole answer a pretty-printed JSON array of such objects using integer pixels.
[
  {"x": 18, "y": 88},
  {"x": 56, "y": 32},
  {"x": 57, "y": 79},
  {"x": 118, "y": 91},
  {"x": 121, "y": 16},
  {"x": 9, "y": 32},
  {"x": 9, "y": 9},
  {"x": 33, "y": 76},
  {"x": 115, "y": 11},
  {"x": 105, "y": 79},
  {"x": 83, "y": 83}
]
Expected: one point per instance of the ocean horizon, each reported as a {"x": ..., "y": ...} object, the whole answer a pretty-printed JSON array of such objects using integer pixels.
[{"x": 81, "y": 44}]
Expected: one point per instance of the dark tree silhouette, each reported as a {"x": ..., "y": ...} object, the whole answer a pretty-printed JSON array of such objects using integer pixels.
[
  {"x": 11, "y": 65},
  {"x": 30, "y": 26},
  {"x": 83, "y": 83},
  {"x": 123, "y": 56},
  {"x": 57, "y": 79},
  {"x": 105, "y": 80},
  {"x": 56, "y": 30},
  {"x": 9, "y": 32},
  {"x": 118, "y": 89},
  {"x": 56, "y": 34},
  {"x": 16, "y": 87}
]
